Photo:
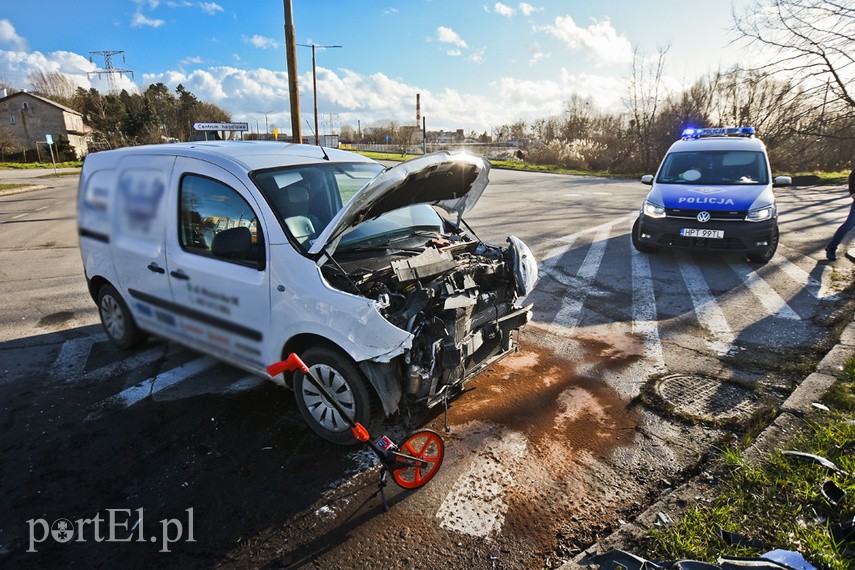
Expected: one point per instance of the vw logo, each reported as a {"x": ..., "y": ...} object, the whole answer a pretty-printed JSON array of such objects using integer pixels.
[{"x": 703, "y": 217}]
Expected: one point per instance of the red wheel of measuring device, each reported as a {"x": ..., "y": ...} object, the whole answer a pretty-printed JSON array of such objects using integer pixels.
[{"x": 427, "y": 446}]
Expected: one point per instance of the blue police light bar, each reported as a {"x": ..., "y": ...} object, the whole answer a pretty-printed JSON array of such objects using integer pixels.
[{"x": 719, "y": 132}]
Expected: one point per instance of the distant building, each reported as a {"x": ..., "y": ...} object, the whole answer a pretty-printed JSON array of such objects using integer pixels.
[{"x": 31, "y": 117}]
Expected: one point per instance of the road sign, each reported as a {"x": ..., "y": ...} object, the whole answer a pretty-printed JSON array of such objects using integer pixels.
[
  {"x": 221, "y": 126},
  {"x": 49, "y": 139}
]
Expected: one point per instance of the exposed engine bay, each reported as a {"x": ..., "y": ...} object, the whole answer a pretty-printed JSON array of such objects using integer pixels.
[{"x": 455, "y": 295}]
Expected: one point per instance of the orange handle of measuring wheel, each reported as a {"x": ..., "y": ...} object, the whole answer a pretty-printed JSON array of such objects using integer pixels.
[
  {"x": 360, "y": 433},
  {"x": 290, "y": 364}
]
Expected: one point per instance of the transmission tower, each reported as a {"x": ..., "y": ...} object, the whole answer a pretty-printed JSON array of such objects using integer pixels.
[{"x": 108, "y": 69}]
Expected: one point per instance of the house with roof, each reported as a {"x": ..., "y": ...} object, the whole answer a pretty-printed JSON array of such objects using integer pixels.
[{"x": 31, "y": 117}]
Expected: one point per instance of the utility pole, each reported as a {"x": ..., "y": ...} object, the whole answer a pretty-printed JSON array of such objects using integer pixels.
[
  {"x": 315, "y": 85},
  {"x": 293, "y": 91}
]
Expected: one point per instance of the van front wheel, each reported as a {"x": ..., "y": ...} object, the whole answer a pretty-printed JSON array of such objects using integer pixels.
[
  {"x": 117, "y": 320},
  {"x": 341, "y": 377}
]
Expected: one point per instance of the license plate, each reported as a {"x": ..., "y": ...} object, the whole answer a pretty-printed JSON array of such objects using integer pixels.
[{"x": 698, "y": 233}]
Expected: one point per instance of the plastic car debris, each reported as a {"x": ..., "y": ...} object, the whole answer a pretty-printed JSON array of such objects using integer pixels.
[
  {"x": 845, "y": 531},
  {"x": 832, "y": 492},
  {"x": 815, "y": 459},
  {"x": 736, "y": 539},
  {"x": 789, "y": 559},
  {"x": 620, "y": 560}
]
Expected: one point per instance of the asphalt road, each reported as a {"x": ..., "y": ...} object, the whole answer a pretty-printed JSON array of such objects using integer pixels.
[{"x": 633, "y": 370}]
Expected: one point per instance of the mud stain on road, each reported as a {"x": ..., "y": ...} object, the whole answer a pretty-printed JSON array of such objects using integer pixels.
[{"x": 544, "y": 397}]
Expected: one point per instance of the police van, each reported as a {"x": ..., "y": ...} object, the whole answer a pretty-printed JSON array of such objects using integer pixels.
[
  {"x": 251, "y": 250},
  {"x": 713, "y": 192}
]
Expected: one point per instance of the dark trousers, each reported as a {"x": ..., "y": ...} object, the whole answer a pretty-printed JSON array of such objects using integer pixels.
[{"x": 843, "y": 229}]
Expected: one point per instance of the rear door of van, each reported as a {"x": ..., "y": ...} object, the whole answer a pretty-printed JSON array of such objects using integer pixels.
[{"x": 218, "y": 263}]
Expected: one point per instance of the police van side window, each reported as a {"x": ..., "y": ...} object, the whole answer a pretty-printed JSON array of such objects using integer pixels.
[{"x": 215, "y": 221}]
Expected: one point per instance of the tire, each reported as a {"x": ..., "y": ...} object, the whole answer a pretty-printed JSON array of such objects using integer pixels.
[
  {"x": 636, "y": 239},
  {"x": 342, "y": 377},
  {"x": 764, "y": 256},
  {"x": 117, "y": 320}
]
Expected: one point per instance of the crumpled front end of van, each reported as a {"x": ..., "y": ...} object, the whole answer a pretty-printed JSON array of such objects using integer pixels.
[{"x": 457, "y": 299}]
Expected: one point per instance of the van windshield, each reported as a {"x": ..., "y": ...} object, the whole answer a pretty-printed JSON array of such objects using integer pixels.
[
  {"x": 714, "y": 168},
  {"x": 305, "y": 198}
]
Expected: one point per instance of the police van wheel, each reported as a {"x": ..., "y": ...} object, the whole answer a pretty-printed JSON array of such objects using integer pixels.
[
  {"x": 636, "y": 239},
  {"x": 117, "y": 319},
  {"x": 343, "y": 379},
  {"x": 765, "y": 255}
]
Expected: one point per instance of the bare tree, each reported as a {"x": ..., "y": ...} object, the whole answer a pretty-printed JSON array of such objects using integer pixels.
[
  {"x": 9, "y": 143},
  {"x": 53, "y": 85},
  {"x": 644, "y": 95},
  {"x": 811, "y": 44}
]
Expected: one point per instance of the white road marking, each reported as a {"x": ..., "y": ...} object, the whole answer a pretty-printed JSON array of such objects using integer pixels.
[
  {"x": 475, "y": 504},
  {"x": 72, "y": 358},
  {"x": 644, "y": 319},
  {"x": 816, "y": 287},
  {"x": 130, "y": 396},
  {"x": 775, "y": 305},
  {"x": 42, "y": 208},
  {"x": 708, "y": 312},
  {"x": 129, "y": 363},
  {"x": 569, "y": 314},
  {"x": 19, "y": 216}
]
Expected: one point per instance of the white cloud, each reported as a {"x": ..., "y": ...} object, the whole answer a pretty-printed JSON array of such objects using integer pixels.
[
  {"x": 454, "y": 52},
  {"x": 195, "y": 60},
  {"x": 536, "y": 53},
  {"x": 17, "y": 65},
  {"x": 449, "y": 36},
  {"x": 528, "y": 9},
  {"x": 8, "y": 36},
  {"x": 503, "y": 10},
  {"x": 375, "y": 98},
  {"x": 390, "y": 10},
  {"x": 139, "y": 19},
  {"x": 477, "y": 56},
  {"x": 210, "y": 7},
  {"x": 261, "y": 42},
  {"x": 600, "y": 40}
]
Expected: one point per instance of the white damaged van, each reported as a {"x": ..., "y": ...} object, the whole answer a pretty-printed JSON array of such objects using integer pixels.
[{"x": 251, "y": 250}]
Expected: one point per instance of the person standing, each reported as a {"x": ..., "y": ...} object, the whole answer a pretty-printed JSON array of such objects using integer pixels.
[{"x": 831, "y": 249}]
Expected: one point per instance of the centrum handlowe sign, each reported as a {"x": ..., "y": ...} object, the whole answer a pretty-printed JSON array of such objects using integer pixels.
[{"x": 221, "y": 126}]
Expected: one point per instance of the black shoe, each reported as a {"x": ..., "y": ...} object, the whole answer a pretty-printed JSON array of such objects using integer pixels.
[{"x": 830, "y": 254}]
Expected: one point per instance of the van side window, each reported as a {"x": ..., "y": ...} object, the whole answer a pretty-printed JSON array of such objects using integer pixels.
[{"x": 215, "y": 221}]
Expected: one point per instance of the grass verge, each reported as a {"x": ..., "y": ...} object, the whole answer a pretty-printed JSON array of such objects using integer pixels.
[
  {"x": 12, "y": 186},
  {"x": 35, "y": 165},
  {"x": 508, "y": 165},
  {"x": 779, "y": 503}
]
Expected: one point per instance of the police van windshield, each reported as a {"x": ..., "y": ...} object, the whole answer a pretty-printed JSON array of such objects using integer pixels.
[
  {"x": 714, "y": 167},
  {"x": 305, "y": 198}
]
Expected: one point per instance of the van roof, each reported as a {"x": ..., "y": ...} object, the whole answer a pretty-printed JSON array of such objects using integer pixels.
[
  {"x": 718, "y": 143},
  {"x": 250, "y": 155}
]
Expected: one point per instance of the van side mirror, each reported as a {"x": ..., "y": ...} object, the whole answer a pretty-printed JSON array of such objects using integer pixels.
[
  {"x": 233, "y": 243},
  {"x": 647, "y": 179},
  {"x": 782, "y": 181}
]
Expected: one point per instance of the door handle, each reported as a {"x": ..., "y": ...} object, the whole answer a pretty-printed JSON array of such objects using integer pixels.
[
  {"x": 180, "y": 275},
  {"x": 156, "y": 268}
]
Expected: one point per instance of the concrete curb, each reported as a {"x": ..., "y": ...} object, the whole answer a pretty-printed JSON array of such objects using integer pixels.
[
  {"x": 22, "y": 189},
  {"x": 776, "y": 434}
]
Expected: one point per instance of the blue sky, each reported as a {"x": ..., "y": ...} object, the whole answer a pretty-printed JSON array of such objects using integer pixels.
[{"x": 476, "y": 64}]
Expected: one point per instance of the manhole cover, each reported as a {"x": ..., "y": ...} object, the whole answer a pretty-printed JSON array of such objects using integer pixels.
[{"x": 705, "y": 398}]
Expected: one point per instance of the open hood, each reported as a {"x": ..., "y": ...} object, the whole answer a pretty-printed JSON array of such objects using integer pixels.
[{"x": 452, "y": 181}]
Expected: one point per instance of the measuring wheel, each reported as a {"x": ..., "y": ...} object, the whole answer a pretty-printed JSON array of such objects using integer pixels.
[{"x": 426, "y": 445}]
